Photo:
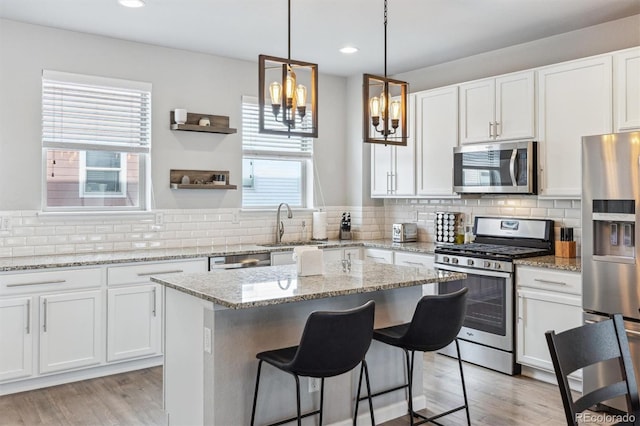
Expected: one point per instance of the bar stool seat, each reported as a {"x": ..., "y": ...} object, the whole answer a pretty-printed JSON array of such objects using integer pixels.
[
  {"x": 332, "y": 343},
  {"x": 435, "y": 324}
]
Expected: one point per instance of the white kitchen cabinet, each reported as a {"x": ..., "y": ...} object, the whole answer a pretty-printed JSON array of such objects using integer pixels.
[
  {"x": 337, "y": 254},
  {"x": 16, "y": 337},
  {"x": 498, "y": 109},
  {"x": 574, "y": 100},
  {"x": 71, "y": 330},
  {"x": 133, "y": 321},
  {"x": 547, "y": 300},
  {"x": 134, "y": 307},
  {"x": 436, "y": 136},
  {"x": 626, "y": 84},
  {"x": 378, "y": 255},
  {"x": 419, "y": 261},
  {"x": 393, "y": 167}
]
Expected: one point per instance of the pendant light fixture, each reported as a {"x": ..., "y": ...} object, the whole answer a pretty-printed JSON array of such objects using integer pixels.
[
  {"x": 385, "y": 105},
  {"x": 289, "y": 84}
]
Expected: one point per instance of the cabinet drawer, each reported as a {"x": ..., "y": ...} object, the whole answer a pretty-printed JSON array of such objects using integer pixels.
[
  {"x": 412, "y": 259},
  {"x": 547, "y": 279},
  {"x": 50, "y": 280},
  {"x": 378, "y": 256},
  {"x": 140, "y": 273}
]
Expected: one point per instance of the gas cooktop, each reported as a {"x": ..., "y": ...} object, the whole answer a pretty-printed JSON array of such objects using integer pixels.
[{"x": 491, "y": 251}]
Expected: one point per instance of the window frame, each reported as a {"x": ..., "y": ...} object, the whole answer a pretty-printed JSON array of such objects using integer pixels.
[
  {"x": 122, "y": 177},
  {"x": 305, "y": 158},
  {"x": 142, "y": 148}
]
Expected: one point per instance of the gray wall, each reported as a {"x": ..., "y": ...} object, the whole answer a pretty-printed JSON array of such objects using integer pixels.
[{"x": 181, "y": 79}]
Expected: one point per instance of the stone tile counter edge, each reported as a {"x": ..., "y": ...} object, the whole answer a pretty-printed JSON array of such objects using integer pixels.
[
  {"x": 552, "y": 262},
  {"x": 255, "y": 287},
  {"x": 77, "y": 260}
]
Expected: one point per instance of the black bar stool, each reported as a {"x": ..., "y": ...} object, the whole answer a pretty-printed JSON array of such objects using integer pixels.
[
  {"x": 332, "y": 343},
  {"x": 435, "y": 324}
]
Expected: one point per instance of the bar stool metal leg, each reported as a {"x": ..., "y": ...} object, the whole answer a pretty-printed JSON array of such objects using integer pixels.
[
  {"x": 364, "y": 369},
  {"x": 366, "y": 376},
  {"x": 464, "y": 388},
  {"x": 255, "y": 395},
  {"x": 409, "y": 384},
  {"x": 321, "y": 399},
  {"x": 298, "y": 399}
]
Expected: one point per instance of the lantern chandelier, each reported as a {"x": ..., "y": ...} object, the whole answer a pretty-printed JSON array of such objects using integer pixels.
[
  {"x": 291, "y": 84},
  {"x": 385, "y": 105}
]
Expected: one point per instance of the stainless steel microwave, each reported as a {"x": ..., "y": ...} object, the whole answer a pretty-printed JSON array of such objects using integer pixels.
[{"x": 497, "y": 168}]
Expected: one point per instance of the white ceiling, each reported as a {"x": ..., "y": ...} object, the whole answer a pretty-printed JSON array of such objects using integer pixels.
[{"x": 421, "y": 32}]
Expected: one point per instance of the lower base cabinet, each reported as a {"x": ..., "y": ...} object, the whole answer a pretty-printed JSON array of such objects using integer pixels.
[
  {"x": 16, "y": 337},
  {"x": 71, "y": 330},
  {"x": 134, "y": 322},
  {"x": 547, "y": 300}
]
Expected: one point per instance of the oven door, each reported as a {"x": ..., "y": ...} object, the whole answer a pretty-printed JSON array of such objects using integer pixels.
[{"x": 489, "y": 317}]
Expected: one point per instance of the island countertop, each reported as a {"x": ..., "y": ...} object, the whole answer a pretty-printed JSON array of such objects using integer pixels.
[{"x": 273, "y": 285}]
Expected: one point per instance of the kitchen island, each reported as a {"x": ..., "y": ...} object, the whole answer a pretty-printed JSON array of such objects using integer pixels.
[{"x": 216, "y": 322}]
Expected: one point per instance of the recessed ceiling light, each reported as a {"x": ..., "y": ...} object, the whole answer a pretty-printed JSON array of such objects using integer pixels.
[
  {"x": 349, "y": 49},
  {"x": 131, "y": 3}
]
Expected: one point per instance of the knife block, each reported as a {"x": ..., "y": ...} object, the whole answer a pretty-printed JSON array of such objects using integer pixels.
[{"x": 565, "y": 249}]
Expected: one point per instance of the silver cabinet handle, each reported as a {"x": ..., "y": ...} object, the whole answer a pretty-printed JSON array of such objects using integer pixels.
[
  {"x": 495, "y": 128},
  {"x": 549, "y": 281},
  {"x": 634, "y": 333},
  {"x": 388, "y": 179},
  {"x": 44, "y": 314},
  {"x": 28, "y": 316},
  {"x": 154, "y": 302},
  {"x": 394, "y": 182},
  {"x": 414, "y": 263},
  {"x": 36, "y": 283},
  {"x": 520, "y": 308},
  {"x": 376, "y": 257},
  {"x": 490, "y": 129},
  {"x": 512, "y": 167},
  {"x": 146, "y": 274}
]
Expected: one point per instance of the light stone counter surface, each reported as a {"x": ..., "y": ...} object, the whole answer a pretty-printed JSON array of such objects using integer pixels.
[
  {"x": 9, "y": 264},
  {"x": 552, "y": 262},
  {"x": 273, "y": 285}
]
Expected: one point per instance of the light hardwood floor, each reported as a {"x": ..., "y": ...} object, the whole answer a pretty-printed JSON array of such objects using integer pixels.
[{"x": 136, "y": 399}]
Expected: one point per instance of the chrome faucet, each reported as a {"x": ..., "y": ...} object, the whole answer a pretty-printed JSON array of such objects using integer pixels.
[{"x": 279, "y": 224}]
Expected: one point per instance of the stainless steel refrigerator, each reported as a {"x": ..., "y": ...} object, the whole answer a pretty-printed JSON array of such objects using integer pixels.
[{"x": 610, "y": 262}]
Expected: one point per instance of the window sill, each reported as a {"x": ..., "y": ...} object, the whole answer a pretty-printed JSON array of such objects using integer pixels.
[{"x": 88, "y": 215}]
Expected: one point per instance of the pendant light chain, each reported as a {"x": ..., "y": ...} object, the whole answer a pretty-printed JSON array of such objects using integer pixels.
[
  {"x": 289, "y": 30},
  {"x": 385, "y": 38}
]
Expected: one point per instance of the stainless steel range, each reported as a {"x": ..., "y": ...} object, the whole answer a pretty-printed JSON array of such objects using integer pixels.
[{"x": 487, "y": 337}]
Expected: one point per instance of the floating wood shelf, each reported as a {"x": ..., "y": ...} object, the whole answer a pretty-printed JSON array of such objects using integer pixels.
[
  {"x": 219, "y": 123},
  {"x": 204, "y": 176}
]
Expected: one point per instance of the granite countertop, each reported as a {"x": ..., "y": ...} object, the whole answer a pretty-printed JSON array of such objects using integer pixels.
[
  {"x": 552, "y": 262},
  {"x": 273, "y": 285},
  {"x": 9, "y": 264}
]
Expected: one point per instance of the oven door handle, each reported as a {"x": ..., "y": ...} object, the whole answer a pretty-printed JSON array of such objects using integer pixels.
[{"x": 473, "y": 271}]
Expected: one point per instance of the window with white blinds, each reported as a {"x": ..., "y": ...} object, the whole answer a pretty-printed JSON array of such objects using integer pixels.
[
  {"x": 96, "y": 140},
  {"x": 276, "y": 168}
]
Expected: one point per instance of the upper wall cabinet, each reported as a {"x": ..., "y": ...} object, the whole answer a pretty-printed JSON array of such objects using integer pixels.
[
  {"x": 574, "y": 100},
  {"x": 626, "y": 69},
  {"x": 498, "y": 109},
  {"x": 436, "y": 136},
  {"x": 393, "y": 167}
]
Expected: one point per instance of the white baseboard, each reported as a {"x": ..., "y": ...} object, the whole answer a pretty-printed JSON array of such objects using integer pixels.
[
  {"x": 384, "y": 414},
  {"x": 77, "y": 375},
  {"x": 549, "y": 377}
]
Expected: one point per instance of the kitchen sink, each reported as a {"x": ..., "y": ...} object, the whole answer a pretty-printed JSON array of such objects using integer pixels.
[{"x": 294, "y": 243}]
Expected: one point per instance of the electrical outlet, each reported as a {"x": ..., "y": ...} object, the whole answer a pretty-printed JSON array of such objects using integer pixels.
[
  {"x": 5, "y": 223},
  {"x": 304, "y": 223},
  {"x": 159, "y": 218},
  {"x": 314, "y": 384}
]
